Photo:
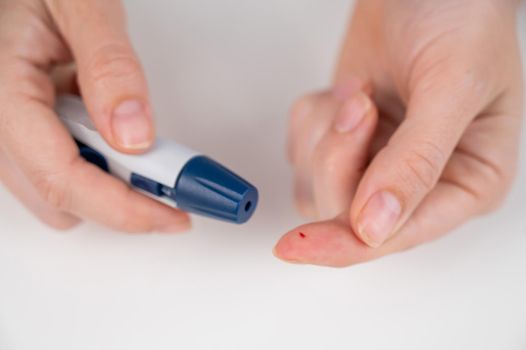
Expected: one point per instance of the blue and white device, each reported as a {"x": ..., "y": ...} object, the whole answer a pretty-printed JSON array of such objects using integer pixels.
[{"x": 168, "y": 172}]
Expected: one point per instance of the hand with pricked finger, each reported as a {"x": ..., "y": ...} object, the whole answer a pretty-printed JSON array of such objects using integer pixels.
[
  {"x": 447, "y": 82},
  {"x": 41, "y": 41}
]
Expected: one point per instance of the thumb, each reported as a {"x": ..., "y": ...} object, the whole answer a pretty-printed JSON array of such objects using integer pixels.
[
  {"x": 406, "y": 170},
  {"x": 111, "y": 78}
]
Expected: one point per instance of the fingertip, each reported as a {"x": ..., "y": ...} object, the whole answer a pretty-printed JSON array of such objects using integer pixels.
[
  {"x": 328, "y": 243},
  {"x": 163, "y": 218},
  {"x": 181, "y": 226},
  {"x": 171, "y": 220},
  {"x": 282, "y": 252},
  {"x": 285, "y": 249}
]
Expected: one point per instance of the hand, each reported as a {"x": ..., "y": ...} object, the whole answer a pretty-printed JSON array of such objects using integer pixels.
[
  {"x": 39, "y": 162},
  {"x": 447, "y": 81}
]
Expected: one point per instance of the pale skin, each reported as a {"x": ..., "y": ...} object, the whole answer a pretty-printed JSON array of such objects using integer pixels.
[
  {"x": 418, "y": 134},
  {"x": 39, "y": 162}
]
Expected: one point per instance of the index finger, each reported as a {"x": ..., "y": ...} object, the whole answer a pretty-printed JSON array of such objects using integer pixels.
[
  {"x": 35, "y": 140},
  {"x": 334, "y": 243}
]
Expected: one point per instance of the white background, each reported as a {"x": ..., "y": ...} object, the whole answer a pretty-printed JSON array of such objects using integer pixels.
[{"x": 222, "y": 75}]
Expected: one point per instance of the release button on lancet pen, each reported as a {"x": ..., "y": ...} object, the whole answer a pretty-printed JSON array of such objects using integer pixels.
[{"x": 146, "y": 185}]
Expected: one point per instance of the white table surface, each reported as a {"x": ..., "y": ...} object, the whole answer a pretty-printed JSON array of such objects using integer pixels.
[{"x": 222, "y": 75}]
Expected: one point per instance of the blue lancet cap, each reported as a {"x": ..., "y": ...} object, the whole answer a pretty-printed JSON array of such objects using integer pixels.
[{"x": 207, "y": 188}]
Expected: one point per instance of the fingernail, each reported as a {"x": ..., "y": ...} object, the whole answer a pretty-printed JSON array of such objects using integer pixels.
[
  {"x": 379, "y": 217},
  {"x": 131, "y": 125},
  {"x": 352, "y": 113}
]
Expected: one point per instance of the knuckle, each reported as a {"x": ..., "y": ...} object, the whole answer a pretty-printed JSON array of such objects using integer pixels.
[
  {"x": 495, "y": 189},
  {"x": 29, "y": 81},
  {"x": 113, "y": 61},
  {"x": 487, "y": 180},
  {"x": 54, "y": 191},
  {"x": 424, "y": 165},
  {"x": 490, "y": 201},
  {"x": 326, "y": 163},
  {"x": 462, "y": 84}
]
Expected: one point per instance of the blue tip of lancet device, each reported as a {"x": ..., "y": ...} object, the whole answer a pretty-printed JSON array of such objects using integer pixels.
[{"x": 207, "y": 188}]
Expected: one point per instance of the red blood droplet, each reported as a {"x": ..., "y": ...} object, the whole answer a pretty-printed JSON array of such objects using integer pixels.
[{"x": 302, "y": 235}]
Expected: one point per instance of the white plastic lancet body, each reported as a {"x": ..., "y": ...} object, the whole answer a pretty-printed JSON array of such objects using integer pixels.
[{"x": 168, "y": 172}]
